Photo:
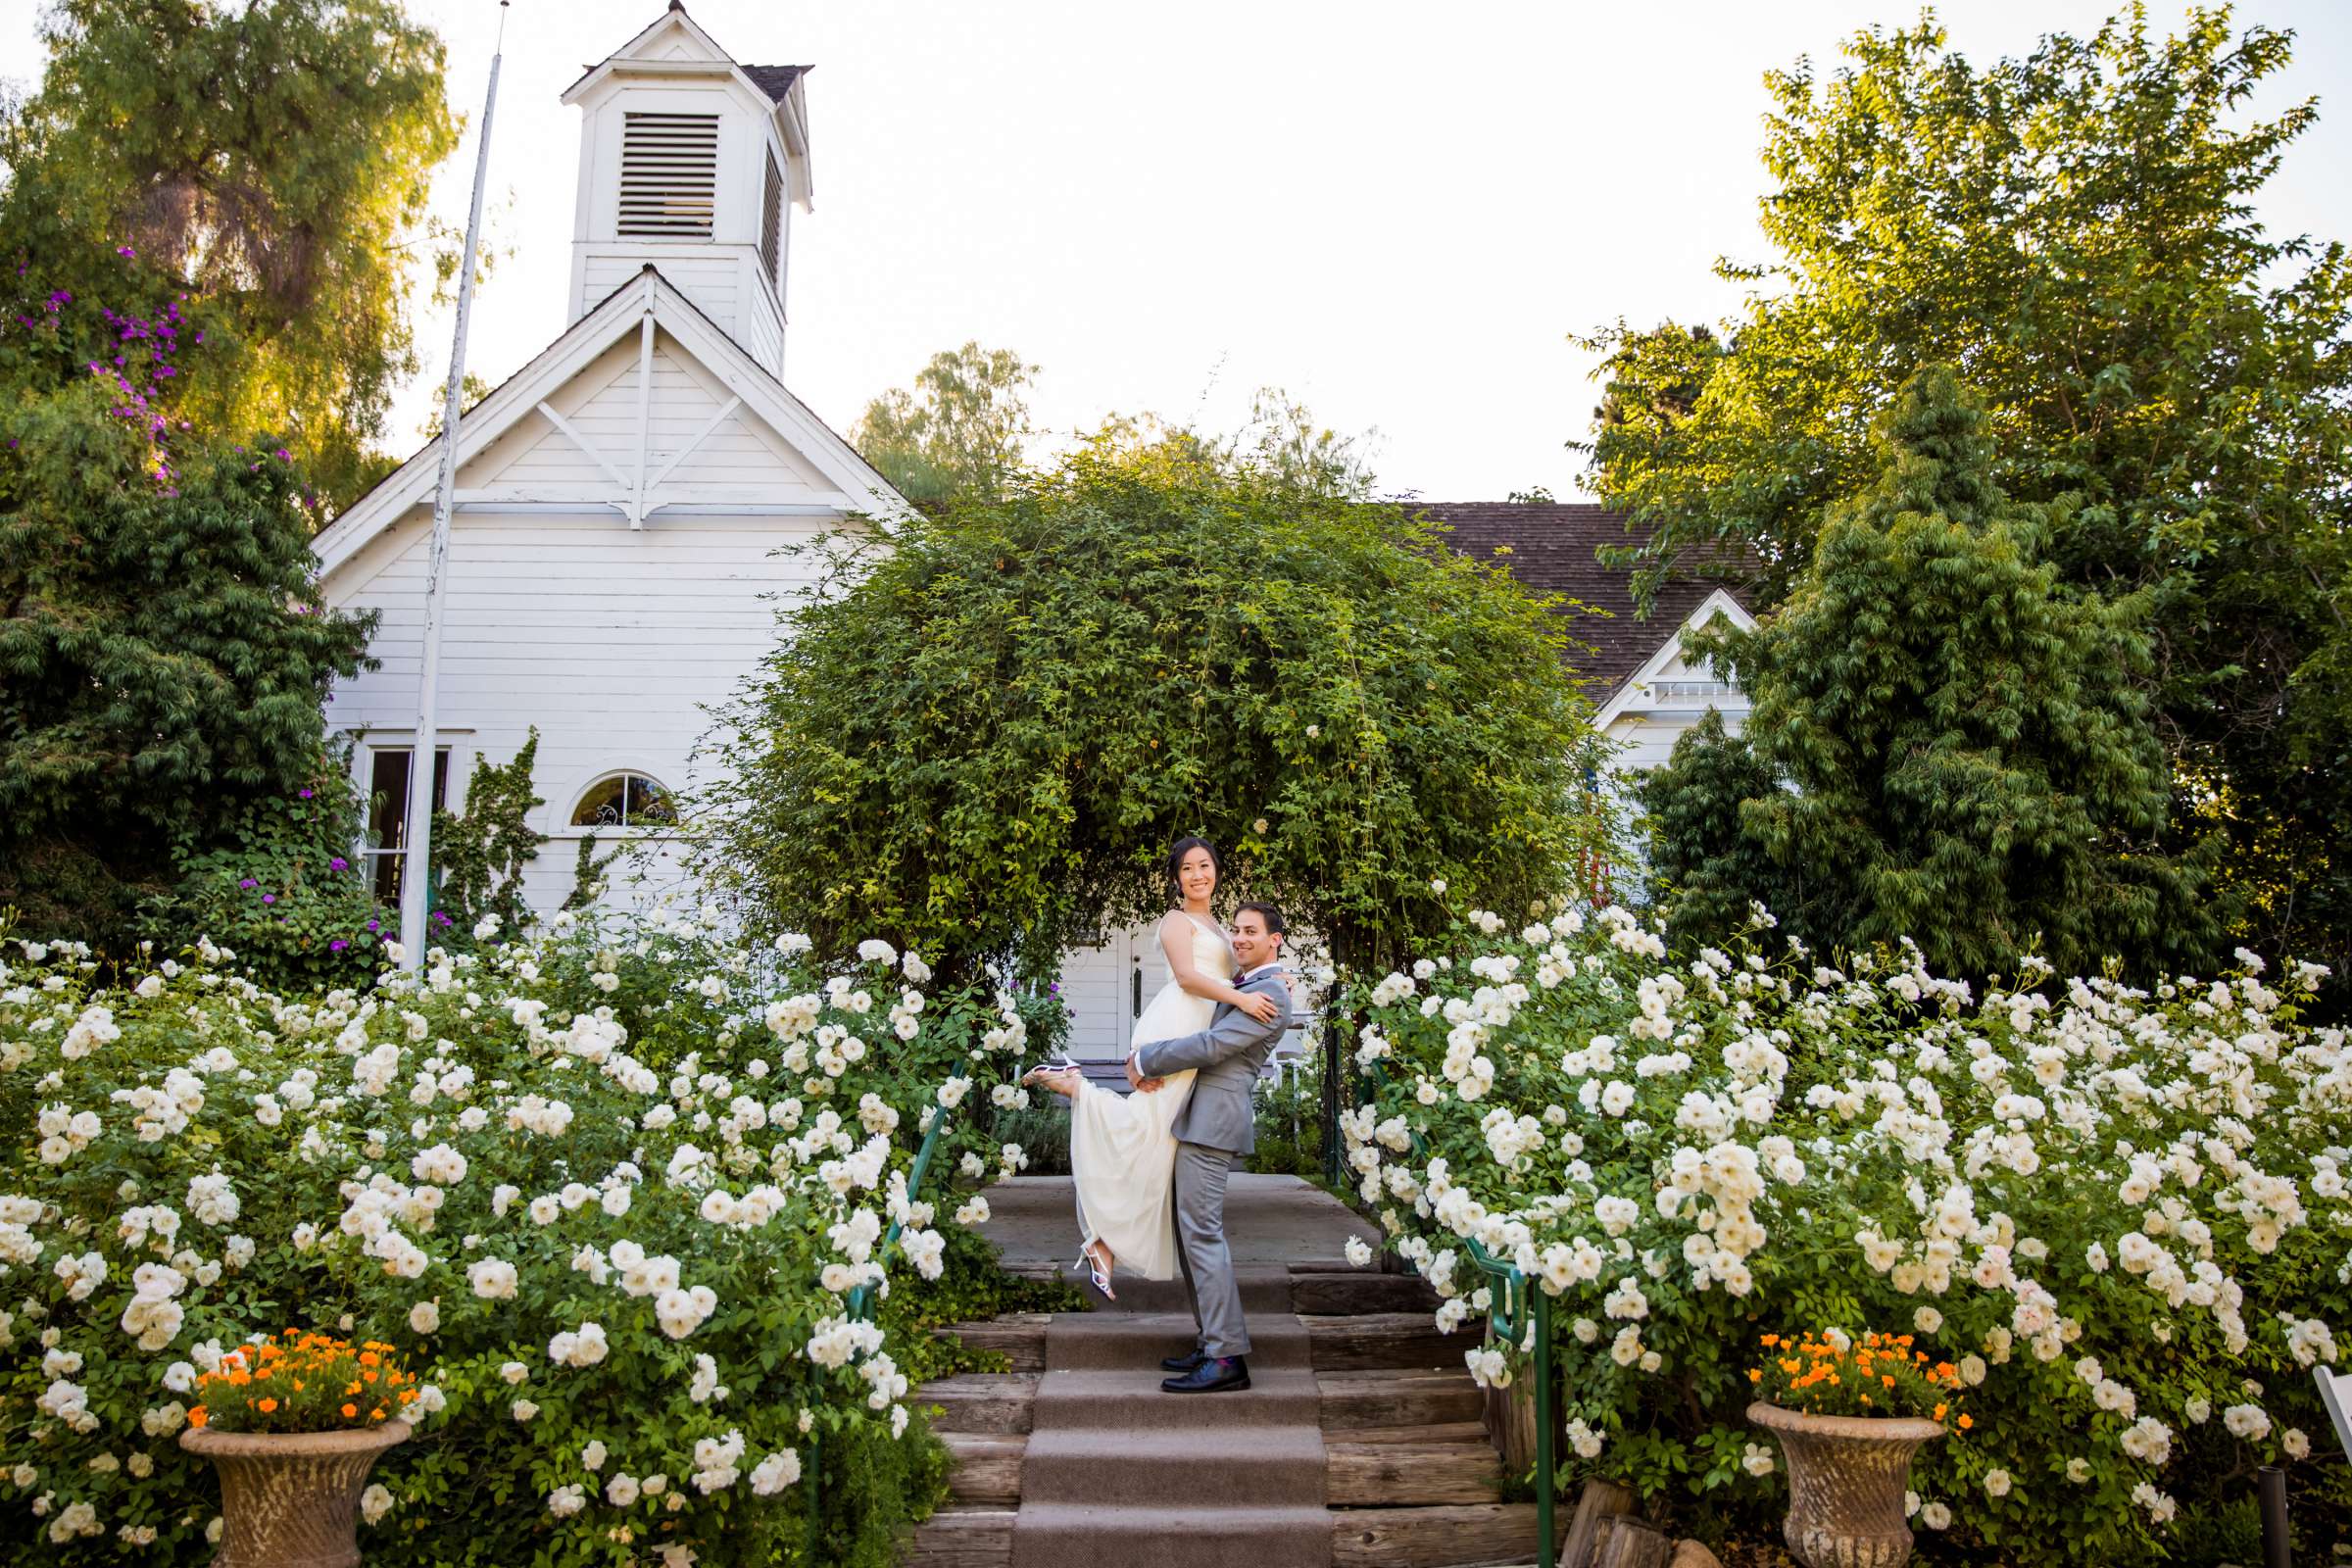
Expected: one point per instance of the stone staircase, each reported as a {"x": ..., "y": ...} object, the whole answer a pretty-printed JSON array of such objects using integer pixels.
[{"x": 1359, "y": 1444}]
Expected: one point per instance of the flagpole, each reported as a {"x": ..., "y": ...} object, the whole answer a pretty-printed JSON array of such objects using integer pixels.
[{"x": 416, "y": 872}]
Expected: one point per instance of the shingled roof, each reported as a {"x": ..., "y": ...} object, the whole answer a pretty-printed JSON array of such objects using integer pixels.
[
  {"x": 1551, "y": 547},
  {"x": 775, "y": 80}
]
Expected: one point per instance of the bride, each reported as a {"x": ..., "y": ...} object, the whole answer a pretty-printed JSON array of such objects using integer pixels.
[{"x": 1122, "y": 1152}]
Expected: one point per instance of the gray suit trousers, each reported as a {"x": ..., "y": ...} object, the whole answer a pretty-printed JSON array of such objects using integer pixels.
[{"x": 1206, "y": 1261}]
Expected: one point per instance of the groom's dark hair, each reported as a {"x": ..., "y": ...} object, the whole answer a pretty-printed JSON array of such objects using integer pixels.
[{"x": 1267, "y": 912}]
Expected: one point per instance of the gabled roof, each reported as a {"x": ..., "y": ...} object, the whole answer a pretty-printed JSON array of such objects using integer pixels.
[
  {"x": 775, "y": 80},
  {"x": 1552, "y": 547},
  {"x": 860, "y": 488}
]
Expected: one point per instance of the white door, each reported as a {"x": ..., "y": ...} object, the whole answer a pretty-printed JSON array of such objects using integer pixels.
[{"x": 1106, "y": 987}]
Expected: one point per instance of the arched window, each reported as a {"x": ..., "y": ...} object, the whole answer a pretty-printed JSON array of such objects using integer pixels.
[{"x": 626, "y": 800}]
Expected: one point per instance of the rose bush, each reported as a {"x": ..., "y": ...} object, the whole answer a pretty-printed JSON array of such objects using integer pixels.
[
  {"x": 607, "y": 1194},
  {"x": 2121, "y": 1215}
]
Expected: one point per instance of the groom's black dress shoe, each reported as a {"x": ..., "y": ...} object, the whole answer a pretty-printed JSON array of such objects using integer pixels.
[
  {"x": 1214, "y": 1375},
  {"x": 1188, "y": 1361}
]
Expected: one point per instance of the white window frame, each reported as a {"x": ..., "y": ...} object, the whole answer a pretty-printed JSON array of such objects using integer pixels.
[{"x": 457, "y": 744}]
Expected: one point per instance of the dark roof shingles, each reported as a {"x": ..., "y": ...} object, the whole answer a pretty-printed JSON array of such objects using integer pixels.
[
  {"x": 1550, "y": 547},
  {"x": 775, "y": 80}
]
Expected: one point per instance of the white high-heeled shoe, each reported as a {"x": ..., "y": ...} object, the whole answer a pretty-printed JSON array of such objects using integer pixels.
[
  {"x": 1096, "y": 1273},
  {"x": 1052, "y": 1068}
]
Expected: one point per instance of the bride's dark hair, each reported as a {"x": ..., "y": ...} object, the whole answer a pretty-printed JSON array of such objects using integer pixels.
[{"x": 1186, "y": 846}]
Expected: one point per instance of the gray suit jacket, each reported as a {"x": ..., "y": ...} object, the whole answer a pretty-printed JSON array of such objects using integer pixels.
[{"x": 1226, "y": 1058}]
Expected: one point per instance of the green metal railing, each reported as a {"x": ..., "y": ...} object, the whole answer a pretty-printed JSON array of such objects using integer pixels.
[{"x": 1514, "y": 1305}]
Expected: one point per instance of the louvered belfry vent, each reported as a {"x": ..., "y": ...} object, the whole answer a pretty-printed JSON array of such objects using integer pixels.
[
  {"x": 668, "y": 175},
  {"x": 771, "y": 223}
]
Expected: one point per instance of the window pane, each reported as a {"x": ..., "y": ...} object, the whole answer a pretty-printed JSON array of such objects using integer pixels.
[
  {"x": 606, "y": 805},
  {"x": 650, "y": 804},
  {"x": 388, "y": 810},
  {"x": 389, "y": 798}
]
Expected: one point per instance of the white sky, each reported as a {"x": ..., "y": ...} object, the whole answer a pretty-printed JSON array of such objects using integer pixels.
[{"x": 1395, "y": 212}]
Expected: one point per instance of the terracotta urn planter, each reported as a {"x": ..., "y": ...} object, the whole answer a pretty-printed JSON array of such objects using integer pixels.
[
  {"x": 291, "y": 1499},
  {"x": 1846, "y": 1479}
]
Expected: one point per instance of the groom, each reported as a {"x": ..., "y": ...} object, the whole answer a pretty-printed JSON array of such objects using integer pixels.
[{"x": 1216, "y": 1125}]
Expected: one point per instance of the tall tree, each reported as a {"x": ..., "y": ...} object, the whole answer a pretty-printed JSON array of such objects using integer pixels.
[
  {"x": 2073, "y": 230},
  {"x": 962, "y": 431},
  {"x": 272, "y": 157},
  {"x": 163, "y": 652},
  {"x": 1965, "y": 768},
  {"x": 984, "y": 732}
]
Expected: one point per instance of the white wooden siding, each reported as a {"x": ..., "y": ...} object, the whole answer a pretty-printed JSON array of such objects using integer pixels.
[
  {"x": 714, "y": 276},
  {"x": 612, "y": 643},
  {"x": 740, "y": 460}
]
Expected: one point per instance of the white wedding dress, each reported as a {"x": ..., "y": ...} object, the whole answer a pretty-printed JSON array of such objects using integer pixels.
[{"x": 1122, "y": 1150}]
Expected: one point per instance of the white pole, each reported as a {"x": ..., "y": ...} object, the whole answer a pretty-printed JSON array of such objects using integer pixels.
[{"x": 416, "y": 864}]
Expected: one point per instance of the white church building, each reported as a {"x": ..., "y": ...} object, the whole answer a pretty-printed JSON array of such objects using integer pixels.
[{"x": 621, "y": 500}]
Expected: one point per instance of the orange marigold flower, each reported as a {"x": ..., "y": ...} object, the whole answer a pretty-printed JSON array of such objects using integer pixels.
[
  {"x": 1966, "y": 1422},
  {"x": 267, "y": 1405},
  {"x": 351, "y": 1413}
]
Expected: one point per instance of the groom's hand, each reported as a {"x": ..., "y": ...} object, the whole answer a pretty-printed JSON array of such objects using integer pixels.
[{"x": 1137, "y": 1081}]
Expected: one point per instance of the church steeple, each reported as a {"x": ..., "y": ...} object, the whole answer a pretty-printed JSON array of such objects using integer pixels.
[{"x": 692, "y": 163}]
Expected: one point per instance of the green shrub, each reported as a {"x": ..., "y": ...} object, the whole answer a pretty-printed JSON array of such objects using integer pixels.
[
  {"x": 608, "y": 1192},
  {"x": 278, "y": 889},
  {"x": 2120, "y": 1214}
]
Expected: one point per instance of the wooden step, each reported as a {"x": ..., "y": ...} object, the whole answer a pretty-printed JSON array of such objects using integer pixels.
[
  {"x": 1398, "y": 1398},
  {"x": 1441, "y": 1536},
  {"x": 1436, "y": 1432},
  {"x": 982, "y": 1401},
  {"x": 1019, "y": 1336},
  {"x": 962, "y": 1538},
  {"x": 1354, "y": 1293},
  {"x": 987, "y": 1468},
  {"x": 1396, "y": 1474},
  {"x": 1372, "y": 1341}
]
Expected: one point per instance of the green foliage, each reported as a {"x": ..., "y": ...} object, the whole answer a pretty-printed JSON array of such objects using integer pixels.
[
  {"x": 587, "y": 873},
  {"x": 962, "y": 431},
  {"x": 480, "y": 856},
  {"x": 279, "y": 892},
  {"x": 163, "y": 655},
  {"x": 1712, "y": 871},
  {"x": 2075, "y": 230},
  {"x": 986, "y": 729},
  {"x": 606, "y": 1192},
  {"x": 275, "y": 156},
  {"x": 1970, "y": 764},
  {"x": 2116, "y": 1213}
]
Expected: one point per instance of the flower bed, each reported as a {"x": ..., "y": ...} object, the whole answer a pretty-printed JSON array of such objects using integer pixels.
[
  {"x": 2119, "y": 1217},
  {"x": 606, "y": 1196}
]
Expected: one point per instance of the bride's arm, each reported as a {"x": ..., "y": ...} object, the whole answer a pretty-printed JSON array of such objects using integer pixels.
[{"x": 1176, "y": 941}]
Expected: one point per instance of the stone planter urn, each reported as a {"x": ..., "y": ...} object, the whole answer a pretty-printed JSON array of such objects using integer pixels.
[
  {"x": 291, "y": 1499},
  {"x": 1846, "y": 1479}
]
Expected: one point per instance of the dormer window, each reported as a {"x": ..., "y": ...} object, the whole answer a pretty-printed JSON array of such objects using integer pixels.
[{"x": 668, "y": 175}]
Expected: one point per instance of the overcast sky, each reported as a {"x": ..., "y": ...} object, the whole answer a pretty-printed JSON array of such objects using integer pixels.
[{"x": 1396, "y": 212}]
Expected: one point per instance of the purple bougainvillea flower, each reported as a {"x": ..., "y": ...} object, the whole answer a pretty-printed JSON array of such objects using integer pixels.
[
  {"x": 338, "y": 863},
  {"x": 282, "y": 456},
  {"x": 127, "y": 251},
  {"x": 268, "y": 897},
  {"x": 372, "y": 926},
  {"x": 248, "y": 882},
  {"x": 337, "y": 946},
  {"x": 305, "y": 793}
]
